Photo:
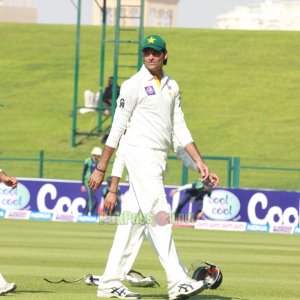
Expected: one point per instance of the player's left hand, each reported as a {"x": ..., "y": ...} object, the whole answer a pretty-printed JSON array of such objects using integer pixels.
[
  {"x": 173, "y": 192},
  {"x": 10, "y": 181},
  {"x": 110, "y": 202},
  {"x": 214, "y": 178}
]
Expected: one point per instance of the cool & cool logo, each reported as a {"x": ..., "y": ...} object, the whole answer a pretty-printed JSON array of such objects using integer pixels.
[
  {"x": 273, "y": 215},
  {"x": 14, "y": 199},
  {"x": 221, "y": 205}
]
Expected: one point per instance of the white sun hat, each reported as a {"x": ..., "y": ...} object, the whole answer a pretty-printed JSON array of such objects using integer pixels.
[{"x": 96, "y": 151}]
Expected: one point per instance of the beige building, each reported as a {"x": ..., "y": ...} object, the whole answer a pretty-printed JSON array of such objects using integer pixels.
[
  {"x": 267, "y": 15},
  {"x": 17, "y": 11},
  {"x": 157, "y": 13}
]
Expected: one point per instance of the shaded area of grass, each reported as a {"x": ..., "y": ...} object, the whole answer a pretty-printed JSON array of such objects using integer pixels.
[{"x": 255, "y": 265}]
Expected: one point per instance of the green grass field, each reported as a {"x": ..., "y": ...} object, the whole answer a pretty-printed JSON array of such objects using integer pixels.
[
  {"x": 258, "y": 266},
  {"x": 240, "y": 95}
]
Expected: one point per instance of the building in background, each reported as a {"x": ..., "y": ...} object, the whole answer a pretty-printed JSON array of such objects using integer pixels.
[
  {"x": 157, "y": 13},
  {"x": 17, "y": 11},
  {"x": 268, "y": 15}
]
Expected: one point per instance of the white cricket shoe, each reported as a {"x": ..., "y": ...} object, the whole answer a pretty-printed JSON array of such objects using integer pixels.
[
  {"x": 187, "y": 289},
  {"x": 7, "y": 287},
  {"x": 119, "y": 291}
]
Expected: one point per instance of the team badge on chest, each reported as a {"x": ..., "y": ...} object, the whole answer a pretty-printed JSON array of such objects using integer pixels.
[{"x": 150, "y": 90}]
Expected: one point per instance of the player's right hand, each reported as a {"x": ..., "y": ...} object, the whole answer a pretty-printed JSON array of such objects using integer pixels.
[
  {"x": 96, "y": 180},
  {"x": 203, "y": 169}
]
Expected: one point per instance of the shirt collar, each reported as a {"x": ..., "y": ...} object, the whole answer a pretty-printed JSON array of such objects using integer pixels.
[{"x": 148, "y": 76}]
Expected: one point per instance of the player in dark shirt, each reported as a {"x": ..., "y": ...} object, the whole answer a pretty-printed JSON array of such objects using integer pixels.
[{"x": 193, "y": 191}]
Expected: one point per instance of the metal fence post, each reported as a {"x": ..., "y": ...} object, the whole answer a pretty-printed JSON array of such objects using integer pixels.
[
  {"x": 185, "y": 175},
  {"x": 229, "y": 171},
  {"x": 41, "y": 169},
  {"x": 76, "y": 76},
  {"x": 236, "y": 172}
]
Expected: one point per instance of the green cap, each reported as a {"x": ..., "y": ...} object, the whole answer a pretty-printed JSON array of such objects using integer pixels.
[{"x": 155, "y": 42}]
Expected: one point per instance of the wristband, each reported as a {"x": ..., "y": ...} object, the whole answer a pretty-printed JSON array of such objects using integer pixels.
[
  {"x": 100, "y": 170},
  {"x": 113, "y": 192}
]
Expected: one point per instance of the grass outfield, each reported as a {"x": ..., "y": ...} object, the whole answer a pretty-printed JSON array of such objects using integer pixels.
[
  {"x": 240, "y": 95},
  {"x": 255, "y": 265}
]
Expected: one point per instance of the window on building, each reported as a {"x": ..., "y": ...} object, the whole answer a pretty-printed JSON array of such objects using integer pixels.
[
  {"x": 135, "y": 12},
  {"x": 152, "y": 18},
  {"x": 160, "y": 18},
  {"x": 168, "y": 18}
]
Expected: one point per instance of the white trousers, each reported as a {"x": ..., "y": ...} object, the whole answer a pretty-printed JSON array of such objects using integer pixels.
[
  {"x": 2, "y": 280},
  {"x": 146, "y": 169}
]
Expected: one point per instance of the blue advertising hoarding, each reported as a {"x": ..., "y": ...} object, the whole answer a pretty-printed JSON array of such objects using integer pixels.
[{"x": 259, "y": 209}]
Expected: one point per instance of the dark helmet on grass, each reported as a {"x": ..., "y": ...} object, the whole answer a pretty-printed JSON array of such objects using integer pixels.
[{"x": 210, "y": 273}]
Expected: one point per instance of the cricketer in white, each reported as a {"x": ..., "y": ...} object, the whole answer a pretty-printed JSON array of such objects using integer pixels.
[
  {"x": 148, "y": 113},
  {"x": 7, "y": 287}
]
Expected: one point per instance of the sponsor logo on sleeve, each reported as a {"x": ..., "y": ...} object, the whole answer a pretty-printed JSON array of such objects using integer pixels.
[{"x": 122, "y": 103}]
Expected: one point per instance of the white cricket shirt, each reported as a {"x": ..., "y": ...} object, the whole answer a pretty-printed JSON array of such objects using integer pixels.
[{"x": 148, "y": 114}]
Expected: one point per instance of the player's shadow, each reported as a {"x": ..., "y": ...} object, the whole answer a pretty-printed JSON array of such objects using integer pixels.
[
  {"x": 214, "y": 297},
  {"x": 196, "y": 297},
  {"x": 31, "y": 292}
]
